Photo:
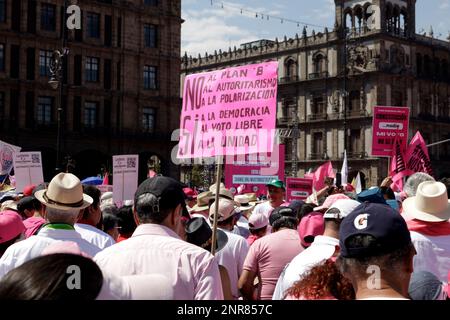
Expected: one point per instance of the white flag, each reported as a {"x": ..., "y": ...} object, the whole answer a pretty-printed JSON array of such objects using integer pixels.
[
  {"x": 358, "y": 187},
  {"x": 344, "y": 170}
]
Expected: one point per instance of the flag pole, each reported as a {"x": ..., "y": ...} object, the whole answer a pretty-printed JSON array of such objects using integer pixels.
[{"x": 216, "y": 204}]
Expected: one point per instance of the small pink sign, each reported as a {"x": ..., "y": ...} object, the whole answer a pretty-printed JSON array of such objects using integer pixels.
[
  {"x": 229, "y": 112},
  {"x": 389, "y": 123},
  {"x": 298, "y": 188},
  {"x": 253, "y": 171}
]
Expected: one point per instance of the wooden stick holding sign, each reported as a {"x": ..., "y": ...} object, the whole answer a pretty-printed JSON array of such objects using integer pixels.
[{"x": 216, "y": 204}]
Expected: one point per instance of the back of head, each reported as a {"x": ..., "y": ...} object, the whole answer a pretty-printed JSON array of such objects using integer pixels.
[
  {"x": 157, "y": 197},
  {"x": 283, "y": 217},
  {"x": 126, "y": 220},
  {"x": 31, "y": 280},
  {"x": 374, "y": 234},
  {"x": 94, "y": 193},
  {"x": 413, "y": 182}
]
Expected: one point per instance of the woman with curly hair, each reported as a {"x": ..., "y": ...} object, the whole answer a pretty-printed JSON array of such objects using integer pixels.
[{"x": 322, "y": 282}]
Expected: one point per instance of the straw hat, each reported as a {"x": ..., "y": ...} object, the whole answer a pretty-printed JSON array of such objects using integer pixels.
[
  {"x": 244, "y": 202},
  {"x": 64, "y": 192},
  {"x": 202, "y": 202},
  {"x": 430, "y": 204}
]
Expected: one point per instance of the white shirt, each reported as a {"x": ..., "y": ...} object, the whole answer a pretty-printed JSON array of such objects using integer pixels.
[
  {"x": 433, "y": 254},
  {"x": 192, "y": 272},
  {"x": 320, "y": 250},
  {"x": 93, "y": 235},
  {"x": 232, "y": 257},
  {"x": 25, "y": 250}
]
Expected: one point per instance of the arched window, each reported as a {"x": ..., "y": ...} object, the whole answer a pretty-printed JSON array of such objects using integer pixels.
[
  {"x": 319, "y": 61},
  {"x": 348, "y": 18},
  {"x": 290, "y": 68},
  {"x": 358, "y": 13}
]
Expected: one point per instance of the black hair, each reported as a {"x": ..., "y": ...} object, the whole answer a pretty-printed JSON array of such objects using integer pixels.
[
  {"x": 48, "y": 278},
  {"x": 109, "y": 222},
  {"x": 305, "y": 209},
  {"x": 94, "y": 193},
  {"x": 126, "y": 220},
  {"x": 5, "y": 245},
  {"x": 387, "y": 192},
  {"x": 33, "y": 204},
  {"x": 285, "y": 222},
  {"x": 385, "y": 260}
]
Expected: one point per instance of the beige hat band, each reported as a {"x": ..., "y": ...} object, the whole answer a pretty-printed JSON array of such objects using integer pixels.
[{"x": 73, "y": 205}]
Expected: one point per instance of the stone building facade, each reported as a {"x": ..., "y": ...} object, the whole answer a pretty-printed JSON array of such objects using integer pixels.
[
  {"x": 121, "y": 81},
  {"x": 330, "y": 80}
]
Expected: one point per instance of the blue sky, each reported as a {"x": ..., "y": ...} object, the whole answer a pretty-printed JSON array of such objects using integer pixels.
[{"x": 209, "y": 28}]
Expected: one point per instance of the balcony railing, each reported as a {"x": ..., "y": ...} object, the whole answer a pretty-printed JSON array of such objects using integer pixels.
[
  {"x": 356, "y": 155},
  {"x": 288, "y": 79},
  {"x": 318, "y": 75},
  {"x": 318, "y": 156},
  {"x": 317, "y": 117},
  {"x": 357, "y": 113}
]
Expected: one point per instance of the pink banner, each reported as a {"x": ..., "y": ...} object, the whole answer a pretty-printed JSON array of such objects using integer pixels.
[
  {"x": 298, "y": 188},
  {"x": 417, "y": 157},
  {"x": 252, "y": 172},
  {"x": 389, "y": 123},
  {"x": 229, "y": 112}
]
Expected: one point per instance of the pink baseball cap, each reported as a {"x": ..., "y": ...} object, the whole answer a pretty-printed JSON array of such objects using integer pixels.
[
  {"x": 310, "y": 226},
  {"x": 257, "y": 221},
  {"x": 11, "y": 225},
  {"x": 329, "y": 201}
]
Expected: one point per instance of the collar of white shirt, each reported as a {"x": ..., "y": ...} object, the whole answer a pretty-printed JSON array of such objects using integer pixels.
[
  {"x": 325, "y": 240},
  {"x": 154, "y": 229},
  {"x": 59, "y": 233}
]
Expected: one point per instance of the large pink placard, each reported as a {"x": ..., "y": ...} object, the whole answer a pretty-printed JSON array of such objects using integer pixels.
[
  {"x": 254, "y": 171},
  {"x": 388, "y": 123},
  {"x": 229, "y": 112}
]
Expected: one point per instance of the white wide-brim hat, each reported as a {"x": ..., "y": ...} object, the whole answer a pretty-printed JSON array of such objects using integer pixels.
[
  {"x": 430, "y": 204},
  {"x": 64, "y": 192}
]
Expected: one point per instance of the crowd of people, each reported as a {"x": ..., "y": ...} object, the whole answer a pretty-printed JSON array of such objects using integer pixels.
[{"x": 65, "y": 240}]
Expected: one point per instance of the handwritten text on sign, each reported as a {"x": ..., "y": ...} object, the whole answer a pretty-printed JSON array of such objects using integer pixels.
[
  {"x": 388, "y": 123},
  {"x": 229, "y": 112}
]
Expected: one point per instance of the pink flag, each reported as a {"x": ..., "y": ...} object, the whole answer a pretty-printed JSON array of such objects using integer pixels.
[
  {"x": 106, "y": 179},
  {"x": 324, "y": 171},
  {"x": 151, "y": 173},
  {"x": 398, "y": 168},
  {"x": 417, "y": 158},
  {"x": 240, "y": 189}
]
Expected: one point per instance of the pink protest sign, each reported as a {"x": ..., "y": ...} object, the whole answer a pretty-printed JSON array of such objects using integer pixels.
[
  {"x": 298, "y": 188},
  {"x": 229, "y": 112},
  {"x": 250, "y": 173},
  {"x": 388, "y": 123}
]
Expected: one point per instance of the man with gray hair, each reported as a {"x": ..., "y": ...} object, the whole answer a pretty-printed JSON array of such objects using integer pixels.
[
  {"x": 413, "y": 182},
  {"x": 63, "y": 200}
]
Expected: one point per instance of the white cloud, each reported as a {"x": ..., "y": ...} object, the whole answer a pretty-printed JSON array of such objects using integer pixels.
[{"x": 211, "y": 32}]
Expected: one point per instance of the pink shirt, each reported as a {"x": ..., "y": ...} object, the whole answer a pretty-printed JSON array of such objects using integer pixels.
[
  {"x": 155, "y": 249},
  {"x": 269, "y": 255}
]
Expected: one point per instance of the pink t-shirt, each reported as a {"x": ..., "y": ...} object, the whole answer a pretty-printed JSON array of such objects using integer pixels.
[{"x": 269, "y": 255}]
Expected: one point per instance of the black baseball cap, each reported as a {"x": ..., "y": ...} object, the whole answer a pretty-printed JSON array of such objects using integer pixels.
[
  {"x": 168, "y": 191},
  {"x": 378, "y": 220}
]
